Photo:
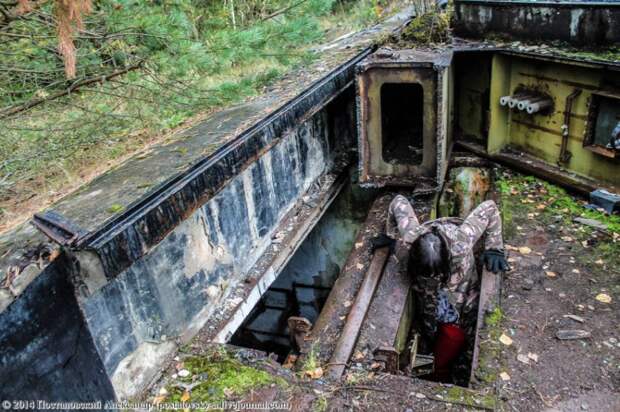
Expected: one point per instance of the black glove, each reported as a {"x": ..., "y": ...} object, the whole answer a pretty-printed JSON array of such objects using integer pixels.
[
  {"x": 382, "y": 240},
  {"x": 495, "y": 260}
]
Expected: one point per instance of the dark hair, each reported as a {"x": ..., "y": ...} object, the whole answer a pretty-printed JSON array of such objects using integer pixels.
[{"x": 429, "y": 257}]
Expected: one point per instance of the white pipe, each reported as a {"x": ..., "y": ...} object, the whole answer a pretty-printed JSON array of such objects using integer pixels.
[
  {"x": 538, "y": 106},
  {"x": 503, "y": 101},
  {"x": 522, "y": 105},
  {"x": 514, "y": 100}
]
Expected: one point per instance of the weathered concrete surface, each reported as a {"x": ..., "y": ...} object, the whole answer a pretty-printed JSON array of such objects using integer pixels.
[
  {"x": 46, "y": 349},
  {"x": 145, "y": 181},
  {"x": 579, "y": 23},
  {"x": 136, "y": 317}
]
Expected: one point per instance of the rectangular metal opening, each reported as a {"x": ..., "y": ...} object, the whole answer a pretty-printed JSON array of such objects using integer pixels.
[{"x": 402, "y": 115}]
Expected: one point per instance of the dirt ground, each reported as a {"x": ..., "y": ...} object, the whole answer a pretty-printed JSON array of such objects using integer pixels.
[{"x": 558, "y": 271}]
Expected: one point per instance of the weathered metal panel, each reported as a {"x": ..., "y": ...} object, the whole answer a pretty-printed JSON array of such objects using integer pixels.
[
  {"x": 431, "y": 71},
  {"x": 540, "y": 135},
  {"x": 579, "y": 23}
]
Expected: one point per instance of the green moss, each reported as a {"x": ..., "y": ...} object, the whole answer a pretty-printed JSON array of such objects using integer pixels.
[
  {"x": 463, "y": 396},
  {"x": 489, "y": 354},
  {"x": 493, "y": 319},
  {"x": 115, "y": 208},
  {"x": 311, "y": 362},
  {"x": 428, "y": 28},
  {"x": 320, "y": 404},
  {"x": 558, "y": 202},
  {"x": 220, "y": 377}
]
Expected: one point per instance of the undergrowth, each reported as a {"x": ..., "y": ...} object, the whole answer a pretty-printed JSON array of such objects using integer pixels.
[{"x": 184, "y": 57}]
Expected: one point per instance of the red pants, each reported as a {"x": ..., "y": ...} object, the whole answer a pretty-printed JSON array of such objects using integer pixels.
[{"x": 449, "y": 343}]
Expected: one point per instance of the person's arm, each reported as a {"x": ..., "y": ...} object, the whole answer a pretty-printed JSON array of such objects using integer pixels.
[
  {"x": 401, "y": 222},
  {"x": 486, "y": 220}
]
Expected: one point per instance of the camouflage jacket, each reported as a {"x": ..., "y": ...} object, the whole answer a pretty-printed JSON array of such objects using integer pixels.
[{"x": 461, "y": 236}]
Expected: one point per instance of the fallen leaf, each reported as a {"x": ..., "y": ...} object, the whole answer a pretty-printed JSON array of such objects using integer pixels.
[
  {"x": 550, "y": 273},
  {"x": 541, "y": 207},
  {"x": 159, "y": 399},
  {"x": 228, "y": 392},
  {"x": 523, "y": 359},
  {"x": 524, "y": 250},
  {"x": 358, "y": 356},
  {"x": 420, "y": 395},
  {"x": 575, "y": 318},
  {"x": 347, "y": 303},
  {"x": 510, "y": 247},
  {"x": 375, "y": 365},
  {"x": 505, "y": 377},
  {"x": 505, "y": 339},
  {"x": 567, "y": 238},
  {"x": 533, "y": 356},
  {"x": 315, "y": 373},
  {"x": 570, "y": 334},
  {"x": 359, "y": 245},
  {"x": 576, "y": 271},
  {"x": 600, "y": 262},
  {"x": 603, "y": 297},
  {"x": 185, "y": 397},
  {"x": 359, "y": 266}
]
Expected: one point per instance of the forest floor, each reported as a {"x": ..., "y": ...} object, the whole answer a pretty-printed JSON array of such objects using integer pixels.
[{"x": 564, "y": 276}]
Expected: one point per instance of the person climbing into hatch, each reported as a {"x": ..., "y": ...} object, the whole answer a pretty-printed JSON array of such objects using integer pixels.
[{"x": 442, "y": 264}]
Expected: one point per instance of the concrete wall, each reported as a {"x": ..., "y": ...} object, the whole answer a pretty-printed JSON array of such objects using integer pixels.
[
  {"x": 46, "y": 349},
  {"x": 139, "y": 317}
]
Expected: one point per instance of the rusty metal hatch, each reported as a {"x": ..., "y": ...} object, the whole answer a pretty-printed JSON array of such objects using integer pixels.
[{"x": 404, "y": 111}]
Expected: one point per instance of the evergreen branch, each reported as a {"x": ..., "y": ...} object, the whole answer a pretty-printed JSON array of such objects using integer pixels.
[{"x": 9, "y": 111}]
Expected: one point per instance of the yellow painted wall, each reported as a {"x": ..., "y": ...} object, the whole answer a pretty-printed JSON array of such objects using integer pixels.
[{"x": 540, "y": 135}]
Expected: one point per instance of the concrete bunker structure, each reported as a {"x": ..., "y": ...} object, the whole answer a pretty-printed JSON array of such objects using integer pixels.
[{"x": 244, "y": 225}]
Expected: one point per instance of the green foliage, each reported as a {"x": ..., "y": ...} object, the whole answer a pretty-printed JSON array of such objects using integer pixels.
[{"x": 197, "y": 54}]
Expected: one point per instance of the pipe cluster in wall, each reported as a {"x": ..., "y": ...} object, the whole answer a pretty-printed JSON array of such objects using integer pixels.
[{"x": 528, "y": 102}]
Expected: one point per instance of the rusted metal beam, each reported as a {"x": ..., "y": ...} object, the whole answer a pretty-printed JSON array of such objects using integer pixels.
[
  {"x": 322, "y": 339},
  {"x": 351, "y": 329},
  {"x": 525, "y": 163}
]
